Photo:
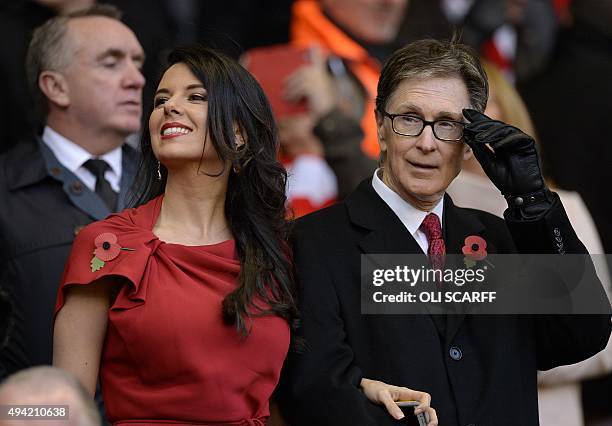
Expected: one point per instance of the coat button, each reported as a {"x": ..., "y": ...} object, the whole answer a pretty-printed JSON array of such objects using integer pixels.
[
  {"x": 55, "y": 171},
  {"x": 76, "y": 188},
  {"x": 455, "y": 353}
]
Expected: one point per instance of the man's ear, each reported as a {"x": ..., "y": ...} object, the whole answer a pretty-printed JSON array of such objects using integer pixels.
[
  {"x": 54, "y": 86},
  {"x": 467, "y": 152},
  {"x": 380, "y": 131},
  {"x": 239, "y": 137}
]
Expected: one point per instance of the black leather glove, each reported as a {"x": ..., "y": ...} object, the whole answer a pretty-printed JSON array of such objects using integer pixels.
[{"x": 512, "y": 164}]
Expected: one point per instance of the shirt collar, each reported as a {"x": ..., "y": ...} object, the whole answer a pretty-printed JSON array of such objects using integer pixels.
[
  {"x": 410, "y": 216},
  {"x": 73, "y": 156}
]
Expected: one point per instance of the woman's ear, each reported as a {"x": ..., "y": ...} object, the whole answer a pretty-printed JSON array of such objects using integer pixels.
[{"x": 239, "y": 137}]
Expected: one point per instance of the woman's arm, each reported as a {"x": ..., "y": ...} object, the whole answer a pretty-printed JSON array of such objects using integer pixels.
[{"x": 80, "y": 328}]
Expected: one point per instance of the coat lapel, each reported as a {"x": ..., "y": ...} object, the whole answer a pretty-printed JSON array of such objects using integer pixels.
[
  {"x": 387, "y": 234},
  {"x": 39, "y": 163},
  {"x": 384, "y": 233},
  {"x": 82, "y": 197},
  {"x": 458, "y": 224},
  {"x": 32, "y": 168}
]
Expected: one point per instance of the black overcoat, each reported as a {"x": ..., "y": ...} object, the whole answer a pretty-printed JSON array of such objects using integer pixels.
[
  {"x": 479, "y": 370},
  {"x": 42, "y": 207}
]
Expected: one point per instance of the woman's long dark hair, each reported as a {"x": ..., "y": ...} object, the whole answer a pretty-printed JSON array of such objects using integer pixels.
[{"x": 255, "y": 201}]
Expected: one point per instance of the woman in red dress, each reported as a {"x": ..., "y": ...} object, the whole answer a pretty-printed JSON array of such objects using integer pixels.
[{"x": 182, "y": 305}]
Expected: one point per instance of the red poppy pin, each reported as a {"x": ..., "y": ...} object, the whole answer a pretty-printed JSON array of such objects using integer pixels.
[
  {"x": 106, "y": 250},
  {"x": 475, "y": 249}
]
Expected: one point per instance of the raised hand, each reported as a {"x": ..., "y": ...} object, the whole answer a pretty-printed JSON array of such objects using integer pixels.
[{"x": 509, "y": 157}]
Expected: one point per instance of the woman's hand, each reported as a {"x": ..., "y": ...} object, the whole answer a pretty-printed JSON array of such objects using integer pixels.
[{"x": 385, "y": 394}]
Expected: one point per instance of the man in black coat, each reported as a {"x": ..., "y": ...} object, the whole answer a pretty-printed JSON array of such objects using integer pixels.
[
  {"x": 475, "y": 370},
  {"x": 85, "y": 72}
]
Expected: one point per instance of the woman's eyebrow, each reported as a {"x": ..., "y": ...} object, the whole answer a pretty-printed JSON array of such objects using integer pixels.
[{"x": 195, "y": 86}]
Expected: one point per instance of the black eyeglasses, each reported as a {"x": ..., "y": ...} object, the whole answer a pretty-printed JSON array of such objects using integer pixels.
[{"x": 413, "y": 125}]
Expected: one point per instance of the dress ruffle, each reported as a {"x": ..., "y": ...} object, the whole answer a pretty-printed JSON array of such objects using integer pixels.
[{"x": 129, "y": 264}]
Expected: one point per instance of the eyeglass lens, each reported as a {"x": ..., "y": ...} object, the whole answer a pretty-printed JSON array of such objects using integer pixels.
[{"x": 409, "y": 125}]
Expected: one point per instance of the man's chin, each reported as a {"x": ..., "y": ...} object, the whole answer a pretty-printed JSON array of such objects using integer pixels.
[
  {"x": 129, "y": 128},
  {"x": 426, "y": 193}
]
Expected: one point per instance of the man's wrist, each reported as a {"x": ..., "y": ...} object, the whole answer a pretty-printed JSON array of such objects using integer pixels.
[
  {"x": 525, "y": 200},
  {"x": 530, "y": 205}
]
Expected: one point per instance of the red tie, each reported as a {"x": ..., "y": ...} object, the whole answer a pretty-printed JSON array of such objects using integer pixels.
[{"x": 433, "y": 231}]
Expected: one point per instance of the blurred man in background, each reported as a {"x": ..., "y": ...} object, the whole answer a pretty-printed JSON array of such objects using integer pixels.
[
  {"x": 84, "y": 71},
  {"x": 154, "y": 26}
]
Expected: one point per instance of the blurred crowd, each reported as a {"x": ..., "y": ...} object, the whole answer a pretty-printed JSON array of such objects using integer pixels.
[{"x": 549, "y": 64}]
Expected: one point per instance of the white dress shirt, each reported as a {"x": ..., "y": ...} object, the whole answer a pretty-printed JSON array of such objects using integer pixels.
[
  {"x": 73, "y": 156},
  {"x": 410, "y": 216}
]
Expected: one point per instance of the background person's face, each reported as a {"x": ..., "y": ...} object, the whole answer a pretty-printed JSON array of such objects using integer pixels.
[
  {"x": 420, "y": 168},
  {"x": 373, "y": 21},
  {"x": 103, "y": 78}
]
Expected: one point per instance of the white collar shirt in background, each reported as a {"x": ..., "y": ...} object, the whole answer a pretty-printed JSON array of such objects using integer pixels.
[{"x": 73, "y": 156}]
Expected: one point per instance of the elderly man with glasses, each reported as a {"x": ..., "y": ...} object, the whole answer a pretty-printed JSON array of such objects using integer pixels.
[{"x": 473, "y": 369}]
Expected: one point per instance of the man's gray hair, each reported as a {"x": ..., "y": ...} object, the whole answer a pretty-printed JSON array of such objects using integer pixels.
[
  {"x": 433, "y": 59},
  {"x": 49, "y": 51}
]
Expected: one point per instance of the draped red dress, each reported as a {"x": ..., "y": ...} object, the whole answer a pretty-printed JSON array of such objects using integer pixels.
[{"x": 168, "y": 358}]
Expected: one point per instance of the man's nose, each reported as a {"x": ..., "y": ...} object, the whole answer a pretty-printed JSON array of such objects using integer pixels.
[
  {"x": 426, "y": 141},
  {"x": 134, "y": 78}
]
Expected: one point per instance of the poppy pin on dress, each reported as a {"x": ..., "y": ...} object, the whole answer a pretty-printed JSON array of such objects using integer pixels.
[{"x": 106, "y": 250}]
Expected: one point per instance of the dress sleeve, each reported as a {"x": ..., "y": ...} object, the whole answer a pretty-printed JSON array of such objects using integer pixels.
[{"x": 111, "y": 249}]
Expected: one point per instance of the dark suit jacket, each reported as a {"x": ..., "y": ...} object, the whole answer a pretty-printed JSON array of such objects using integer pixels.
[
  {"x": 42, "y": 207},
  {"x": 493, "y": 380}
]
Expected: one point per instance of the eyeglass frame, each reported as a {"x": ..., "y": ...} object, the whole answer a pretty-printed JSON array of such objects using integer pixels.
[{"x": 425, "y": 123}]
